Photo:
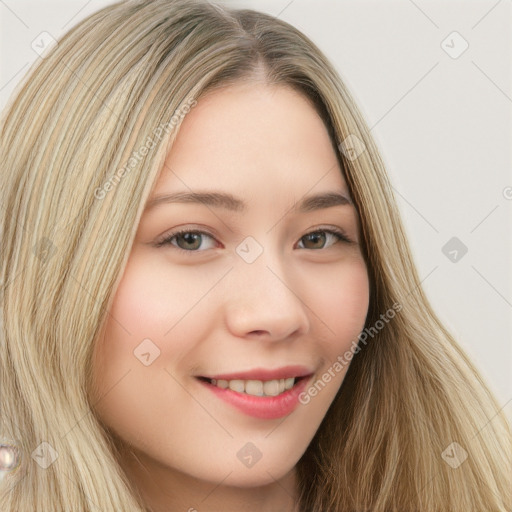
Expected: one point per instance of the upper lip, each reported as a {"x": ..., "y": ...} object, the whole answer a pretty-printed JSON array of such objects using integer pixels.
[{"x": 284, "y": 372}]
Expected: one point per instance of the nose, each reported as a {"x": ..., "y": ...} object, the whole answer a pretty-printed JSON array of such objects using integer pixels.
[{"x": 264, "y": 302}]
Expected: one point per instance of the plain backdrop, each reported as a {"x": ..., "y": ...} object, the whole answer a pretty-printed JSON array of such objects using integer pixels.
[{"x": 433, "y": 80}]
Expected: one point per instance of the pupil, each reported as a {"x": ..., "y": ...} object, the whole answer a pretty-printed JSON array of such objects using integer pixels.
[
  {"x": 189, "y": 238},
  {"x": 315, "y": 237}
]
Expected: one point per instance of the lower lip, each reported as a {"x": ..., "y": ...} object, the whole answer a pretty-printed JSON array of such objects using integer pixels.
[{"x": 264, "y": 407}]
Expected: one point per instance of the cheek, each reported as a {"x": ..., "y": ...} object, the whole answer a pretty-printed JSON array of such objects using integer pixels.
[
  {"x": 144, "y": 308},
  {"x": 150, "y": 301},
  {"x": 140, "y": 310},
  {"x": 342, "y": 305},
  {"x": 144, "y": 300}
]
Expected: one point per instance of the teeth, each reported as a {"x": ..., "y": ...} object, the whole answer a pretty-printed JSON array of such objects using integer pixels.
[
  {"x": 271, "y": 387},
  {"x": 237, "y": 385},
  {"x": 256, "y": 387}
]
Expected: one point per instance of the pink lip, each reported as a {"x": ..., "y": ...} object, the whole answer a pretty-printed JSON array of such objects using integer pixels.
[
  {"x": 284, "y": 372},
  {"x": 263, "y": 407}
]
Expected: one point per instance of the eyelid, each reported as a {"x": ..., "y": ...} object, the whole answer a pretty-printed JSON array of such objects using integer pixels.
[
  {"x": 340, "y": 232},
  {"x": 165, "y": 239}
]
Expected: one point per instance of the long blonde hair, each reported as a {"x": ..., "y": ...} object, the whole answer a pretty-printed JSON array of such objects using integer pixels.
[{"x": 112, "y": 85}]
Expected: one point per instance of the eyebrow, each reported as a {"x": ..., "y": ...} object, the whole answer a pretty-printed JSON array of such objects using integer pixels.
[{"x": 232, "y": 203}]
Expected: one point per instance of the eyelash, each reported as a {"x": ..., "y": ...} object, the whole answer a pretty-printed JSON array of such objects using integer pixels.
[{"x": 338, "y": 233}]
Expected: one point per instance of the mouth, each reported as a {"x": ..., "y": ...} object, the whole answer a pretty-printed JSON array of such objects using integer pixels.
[
  {"x": 275, "y": 394},
  {"x": 255, "y": 387}
]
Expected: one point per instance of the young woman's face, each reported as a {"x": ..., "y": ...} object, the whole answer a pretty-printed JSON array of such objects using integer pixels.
[{"x": 260, "y": 290}]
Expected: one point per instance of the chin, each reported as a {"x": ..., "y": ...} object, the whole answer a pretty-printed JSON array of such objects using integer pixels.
[{"x": 247, "y": 478}]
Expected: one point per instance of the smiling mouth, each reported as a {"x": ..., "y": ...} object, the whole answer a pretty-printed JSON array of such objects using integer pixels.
[{"x": 254, "y": 387}]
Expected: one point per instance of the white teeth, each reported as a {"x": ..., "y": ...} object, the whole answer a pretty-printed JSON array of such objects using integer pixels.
[
  {"x": 256, "y": 387},
  {"x": 237, "y": 385},
  {"x": 271, "y": 387}
]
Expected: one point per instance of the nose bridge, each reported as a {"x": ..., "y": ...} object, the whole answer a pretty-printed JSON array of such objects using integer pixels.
[{"x": 264, "y": 299}]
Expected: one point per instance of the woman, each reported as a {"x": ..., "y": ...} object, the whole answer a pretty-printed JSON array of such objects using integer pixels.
[{"x": 259, "y": 340}]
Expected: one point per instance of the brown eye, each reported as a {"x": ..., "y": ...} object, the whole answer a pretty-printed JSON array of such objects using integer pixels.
[
  {"x": 185, "y": 240},
  {"x": 317, "y": 239},
  {"x": 191, "y": 240}
]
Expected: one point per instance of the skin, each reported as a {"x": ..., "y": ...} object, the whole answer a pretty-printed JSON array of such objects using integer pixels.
[{"x": 209, "y": 311}]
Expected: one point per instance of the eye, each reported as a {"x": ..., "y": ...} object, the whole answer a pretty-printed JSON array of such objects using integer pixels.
[
  {"x": 321, "y": 235},
  {"x": 190, "y": 240}
]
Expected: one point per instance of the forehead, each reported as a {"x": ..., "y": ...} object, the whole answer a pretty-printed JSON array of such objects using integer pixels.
[{"x": 255, "y": 140}]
